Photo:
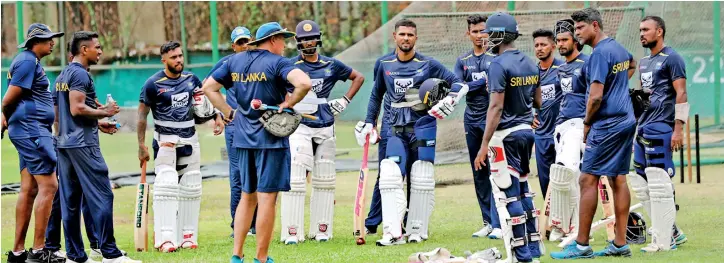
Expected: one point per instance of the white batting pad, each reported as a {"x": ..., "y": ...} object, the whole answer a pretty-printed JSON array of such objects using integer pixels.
[
  {"x": 165, "y": 198},
  {"x": 663, "y": 209},
  {"x": 293, "y": 203},
  {"x": 562, "y": 179},
  {"x": 189, "y": 206},
  {"x": 422, "y": 197},
  {"x": 394, "y": 202},
  {"x": 322, "y": 202},
  {"x": 641, "y": 190}
]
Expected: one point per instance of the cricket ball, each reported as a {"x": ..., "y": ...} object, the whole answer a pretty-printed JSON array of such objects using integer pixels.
[
  {"x": 360, "y": 241},
  {"x": 256, "y": 104}
]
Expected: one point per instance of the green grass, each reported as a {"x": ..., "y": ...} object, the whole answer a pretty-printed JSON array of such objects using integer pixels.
[{"x": 455, "y": 218}]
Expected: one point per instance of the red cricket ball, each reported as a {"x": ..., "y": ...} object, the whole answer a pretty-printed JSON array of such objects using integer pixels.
[{"x": 256, "y": 104}]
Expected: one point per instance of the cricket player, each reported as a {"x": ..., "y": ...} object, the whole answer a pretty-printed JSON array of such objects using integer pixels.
[
  {"x": 313, "y": 144},
  {"x": 240, "y": 38},
  {"x": 83, "y": 173},
  {"x": 568, "y": 133},
  {"x": 27, "y": 111},
  {"x": 609, "y": 127},
  {"x": 410, "y": 150},
  {"x": 660, "y": 132},
  {"x": 544, "y": 120},
  {"x": 175, "y": 98},
  {"x": 473, "y": 66},
  {"x": 374, "y": 216},
  {"x": 264, "y": 158},
  {"x": 508, "y": 140}
]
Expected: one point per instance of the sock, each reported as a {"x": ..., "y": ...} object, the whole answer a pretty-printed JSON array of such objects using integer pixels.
[
  {"x": 582, "y": 247},
  {"x": 617, "y": 246},
  {"x": 18, "y": 253},
  {"x": 35, "y": 251}
]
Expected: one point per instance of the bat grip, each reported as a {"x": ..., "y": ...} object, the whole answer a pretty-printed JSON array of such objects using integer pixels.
[{"x": 143, "y": 172}]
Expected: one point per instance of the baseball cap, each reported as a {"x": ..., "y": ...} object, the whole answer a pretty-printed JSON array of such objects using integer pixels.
[
  {"x": 268, "y": 30},
  {"x": 239, "y": 33},
  {"x": 39, "y": 31}
]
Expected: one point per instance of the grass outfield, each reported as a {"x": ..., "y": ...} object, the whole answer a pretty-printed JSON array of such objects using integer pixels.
[{"x": 455, "y": 218}]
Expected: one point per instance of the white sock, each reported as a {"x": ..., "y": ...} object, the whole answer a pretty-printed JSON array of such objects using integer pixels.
[
  {"x": 37, "y": 250},
  {"x": 582, "y": 247},
  {"x": 18, "y": 253}
]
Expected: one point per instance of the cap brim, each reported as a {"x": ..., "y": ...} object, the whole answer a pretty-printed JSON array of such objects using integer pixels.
[
  {"x": 240, "y": 37},
  {"x": 286, "y": 34},
  {"x": 43, "y": 36}
]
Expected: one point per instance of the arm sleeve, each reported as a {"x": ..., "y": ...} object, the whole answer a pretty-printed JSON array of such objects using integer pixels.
[
  {"x": 80, "y": 81},
  {"x": 215, "y": 67},
  {"x": 437, "y": 70},
  {"x": 598, "y": 68},
  {"x": 23, "y": 74},
  {"x": 148, "y": 93},
  {"x": 222, "y": 74},
  {"x": 497, "y": 78},
  {"x": 343, "y": 71},
  {"x": 378, "y": 92},
  {"x": 677, "y": 67},
  {"x": 459, "y": 70},
  {"x": 284, "y": 66}
]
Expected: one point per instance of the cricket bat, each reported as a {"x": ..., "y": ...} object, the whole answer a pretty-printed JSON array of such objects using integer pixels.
[
  {"x": 604, "y": 189},
  {"x": 543, "y": 218},
  {"x": 359, "y": 199},
  {"x": 140, "y": 230}
]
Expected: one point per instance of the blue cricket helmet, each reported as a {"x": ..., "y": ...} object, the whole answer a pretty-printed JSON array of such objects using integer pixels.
[
  {"x": 308, "y": 31},
  {"x": 433, "y": 90},
  {"x": 501, "y": 22}
]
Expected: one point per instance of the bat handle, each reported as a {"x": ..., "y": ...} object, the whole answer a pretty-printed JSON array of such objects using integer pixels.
[{"x": 143, "y": 171}]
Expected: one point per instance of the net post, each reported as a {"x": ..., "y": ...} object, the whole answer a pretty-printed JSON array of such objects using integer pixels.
[
  {"x": 688, "y": 149},
  {"x": 511, "y": 5},
  {"x": 696, "y": 140},
  {"x": 213, "y": 15},
  {"x": 19, "y": 21},
  {"x": 717, "y": 61},
  {"x": 385, "y": 36},
  {"x": 183, "y": 31},
  {"x": 61, "y": 26}
]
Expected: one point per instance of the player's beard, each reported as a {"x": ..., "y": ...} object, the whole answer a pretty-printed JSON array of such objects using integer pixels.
[
  {"x": 309, "y": 51},
  {"x": 173, "y": 70},
  {"x": 568, "y": 51},
  {"x": 406, "y": 49},
  {"x": 650, "y": 44}
]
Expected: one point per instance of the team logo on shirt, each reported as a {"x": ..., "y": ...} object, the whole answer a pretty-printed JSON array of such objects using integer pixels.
[
  {"x": 647, "y": 79},
  {"x": 658, "y": 65},
  {"x": 567, "y": 85},
  {"x": 468, "y": 67},
  {"x": 401, "y": 85},
  {"x": 317, "y": 85},
  {"x": 479, "y": 75},
  {"x": 548, "y": 92},
  {"x": 327, "y": 72},
  {"x": 419, "y": 73},
  {"x": 577, "y": 72},
  {"x": 180, "y": 100}
]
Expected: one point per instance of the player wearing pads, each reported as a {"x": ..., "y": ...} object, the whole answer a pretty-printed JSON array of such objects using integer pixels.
[
  {"x": 313, "y": 143},
  {"x": 473, "y": 66},
  {"x": 663, "y": 76},
  {"x": 568, "y": 133},
  {"x": 240, "y": 37},
  {"x": 175, "y": 99},
  {"x": 609, "y": 127},
  {"x": 410, "y": 149},
  {"x": 27, "y": 111},
  {"x": 508, "y": 139},
  {"x": 83, "y": 174},
  {"x": 264, "y": 158}
]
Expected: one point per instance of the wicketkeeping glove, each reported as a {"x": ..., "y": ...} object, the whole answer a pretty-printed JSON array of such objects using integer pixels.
[{"x": 338, "y": 105}]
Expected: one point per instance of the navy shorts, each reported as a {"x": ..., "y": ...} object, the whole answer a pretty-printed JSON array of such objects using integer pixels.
[
  {"x": 264, "y": 170},
  {"x": 36, "y": 154},
  {"x": 518, "y": 150},
  {"x": 608, "y": 151}
]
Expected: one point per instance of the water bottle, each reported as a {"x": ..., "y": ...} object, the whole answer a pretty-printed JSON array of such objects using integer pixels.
[{"x": 112, "y": 119}]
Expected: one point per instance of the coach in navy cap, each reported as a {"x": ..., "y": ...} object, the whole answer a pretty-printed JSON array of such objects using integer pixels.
[{"x": 40, "y": 32}]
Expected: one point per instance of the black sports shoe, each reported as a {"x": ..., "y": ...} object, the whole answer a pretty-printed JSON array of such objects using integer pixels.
[
  {"x": 12, "y": 258},
  {"x": 44, "y": 256}
]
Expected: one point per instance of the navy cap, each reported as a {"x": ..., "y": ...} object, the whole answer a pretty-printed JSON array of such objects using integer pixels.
[
  {"x": 239, "y": 33},
  {"x": 268, "y": 30},
  {"x": 501, "y": 22},
  {"x": 39, "y": 31},
  {"x": 308, "y": 28}
]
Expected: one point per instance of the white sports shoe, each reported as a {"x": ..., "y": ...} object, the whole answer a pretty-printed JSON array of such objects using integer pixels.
[
  {"x": 556, "y": 235},
  {"x": 483, "y": 232},
  {"x": 292, "y": 240},
  {"x": 96, "y": 253},
  {"x": 60, "y": 253},
  {"x": 497, "y": 233},
  {"x": 89, "y": 260},
  {"x": 389, "y": 240},
  {"x": 166, "y": 247},
  {"x": 321, "y": 237},
  {"x": 414, "y": 238},
  {"x": 121, "y": 259}
]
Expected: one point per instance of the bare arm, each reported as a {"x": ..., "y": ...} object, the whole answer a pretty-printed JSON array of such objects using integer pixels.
[
  {"x": 631, "y": 68},
  {"x": 212, "y": 89},
  {"x": 302, "y": 84},
  {"x": 357, "y": 81},
  {"x": 595, "y": 97},
  {"x": 538, "y": 98},
  {"x": 677, "y": 139},
  {"x": 79, "y": 108},
  {"x": 143, "y": 111},
  {"x": 56, "y": 122},
  {"x": 10, "y": 101}
]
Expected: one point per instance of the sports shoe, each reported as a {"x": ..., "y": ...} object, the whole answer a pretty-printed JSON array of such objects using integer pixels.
[
  {"x": 321, "y": 237},
  {"x": 121, "y": 259},
  {"x": 292, "y": 240},
  {"x": 96, "y": 253},
  {"x": 556, "y": 235},
  {"x": 414, "y": 238},
  {"x": 483, "y": 232},
  {"x": 189, "y": 245},
  {"x": 89, "y": 260},
  {"x": 236, "y": 259},
  {"x": 371, "y": 231},
  {"x": 497, "y": 233},
  {"x": 389, "y": 240},
  {"x": 166, "y": 247},
  {"x": 60, "y": 253},
  {"x": 652, "y": 247},
  {"x": 43, "y": 256},
  {"x": 680, "y": 238},
  {"x": 571, "y": 251},
  {"x": 12, "y": 258},
  {"x": 268, "y": 260},
  {"x": 612, "y": 251}
]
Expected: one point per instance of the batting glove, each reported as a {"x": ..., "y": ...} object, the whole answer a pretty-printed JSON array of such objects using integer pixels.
[
  {"x": 443, "y": 108},
  {"x": 338, "y": 105},
  {"x": 361, "y": 130}
]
